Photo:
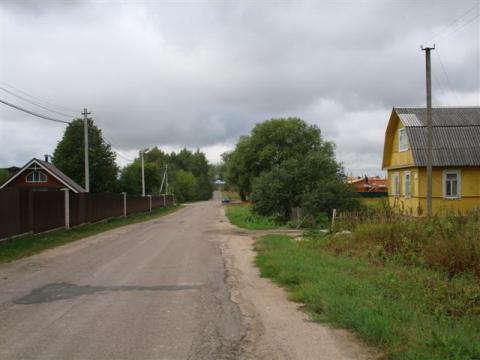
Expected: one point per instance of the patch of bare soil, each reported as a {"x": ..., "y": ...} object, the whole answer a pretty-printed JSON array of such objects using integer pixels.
[{"x": 277, "y": 329}]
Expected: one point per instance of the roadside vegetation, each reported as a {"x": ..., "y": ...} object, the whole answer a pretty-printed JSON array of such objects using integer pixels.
[
  {"x": 285, "y": 164},
  {"x": 241, "y": 215},
  {"x": 26, "y": 245},
  {"x": 448, "y": 243},
  {"x": 190, "y": 176},
  {"x": 409, "y": 286}
]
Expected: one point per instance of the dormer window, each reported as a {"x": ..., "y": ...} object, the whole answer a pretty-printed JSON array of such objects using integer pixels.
[
  {"x": 36, "y": 176},
  {"x": 402, "y": 140}
]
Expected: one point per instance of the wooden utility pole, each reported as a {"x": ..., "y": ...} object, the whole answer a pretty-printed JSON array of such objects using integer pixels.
[
  {"x": 85, "y": 114},
  {"x": 163, "y": 178},
  {"x": 166, "y": 179},
  {"x": 429, "y": 129},
  {"x": 143, "y": 174}
]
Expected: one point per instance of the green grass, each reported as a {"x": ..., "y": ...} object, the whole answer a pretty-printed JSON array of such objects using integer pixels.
[
  {"x": 26, "y": 245},
  {"x": 241, "y": 216},
  {"x": 233, "y": 195},
  {"x": 408, "y": 312}
]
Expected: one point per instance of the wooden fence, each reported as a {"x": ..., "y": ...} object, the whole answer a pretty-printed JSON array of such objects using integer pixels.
[{"x": 25, "y": 211}]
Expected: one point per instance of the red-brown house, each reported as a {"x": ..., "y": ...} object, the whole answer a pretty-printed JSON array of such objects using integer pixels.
[
  {"x": 41, "y": 175},
  {"x": 367, "y": 184}
]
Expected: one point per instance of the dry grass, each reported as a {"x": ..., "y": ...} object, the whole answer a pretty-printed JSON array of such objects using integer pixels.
[{"x": 449, "y": 243}]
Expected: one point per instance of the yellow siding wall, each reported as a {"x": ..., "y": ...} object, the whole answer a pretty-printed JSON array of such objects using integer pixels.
[
  {"x": 470, "y": 191},
  {"x": 407, "y": 205},
  {"x": 400, "y": 158}
]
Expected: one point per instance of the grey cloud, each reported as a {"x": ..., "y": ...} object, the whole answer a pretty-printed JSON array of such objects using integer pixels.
[{"x": 201, "y": 74}]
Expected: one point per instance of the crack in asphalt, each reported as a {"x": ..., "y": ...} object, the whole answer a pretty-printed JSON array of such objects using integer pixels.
[{"x": 63, "y": 291}]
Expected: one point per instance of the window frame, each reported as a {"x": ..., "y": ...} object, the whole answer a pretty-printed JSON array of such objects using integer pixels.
[
  {"x": 459, "y": 184},
  {"x": 406, "y": 144},
  {"x": 408, "y": 195},
  {"x": 42, "y": 177},
  {"x": 395, "y": 179}
]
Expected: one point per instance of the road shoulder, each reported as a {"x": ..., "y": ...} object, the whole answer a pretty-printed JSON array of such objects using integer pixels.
[{"x": 276, "y": 327}]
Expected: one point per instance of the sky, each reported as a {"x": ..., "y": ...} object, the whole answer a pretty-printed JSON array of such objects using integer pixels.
[{"x": 199, "y": 74}]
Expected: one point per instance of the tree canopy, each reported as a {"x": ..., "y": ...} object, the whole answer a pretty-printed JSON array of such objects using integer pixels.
[
  {"x": 69, "y": 157},
  {"x": 188, "y": 174},
  {"x": 4, "y": 175},
  {"x": 285, "y": 163}
]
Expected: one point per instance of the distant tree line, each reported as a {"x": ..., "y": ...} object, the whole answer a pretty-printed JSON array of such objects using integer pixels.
[
  {"x": 189, "y": 173},
  {"x": 285, "y": 163}
]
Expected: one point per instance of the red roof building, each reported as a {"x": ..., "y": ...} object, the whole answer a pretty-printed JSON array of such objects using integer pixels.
[
  {"x": 41, "y": 176},
  {"x": 367, "y": 184}
]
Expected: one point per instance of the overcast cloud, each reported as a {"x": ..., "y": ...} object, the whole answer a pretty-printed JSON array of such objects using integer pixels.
[{"x": 200, "y": 74}]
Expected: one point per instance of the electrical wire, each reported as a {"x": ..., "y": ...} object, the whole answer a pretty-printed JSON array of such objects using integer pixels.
[
  {"x": 453, "y": 22},
  {"x": 36, "y": 98},
  {"x": 109, "y": 142},
  {"x": 33, "y": 113},
  {"x": 36, "y": 104},
  {"x": 449, "y": 83}
]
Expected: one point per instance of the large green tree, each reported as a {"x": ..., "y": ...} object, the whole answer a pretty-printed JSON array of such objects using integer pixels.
[
  {"x": 69, "y": 157},
  {"x": 285, "y": 163},
  {"x": 4, "y": 175}
]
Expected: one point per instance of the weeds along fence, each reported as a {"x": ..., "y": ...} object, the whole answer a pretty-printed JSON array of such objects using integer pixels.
[{"x": 25, "y": 211}]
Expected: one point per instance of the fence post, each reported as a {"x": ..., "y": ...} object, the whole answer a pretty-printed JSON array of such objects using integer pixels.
[
  {"x": 164, "y": 200},
  {"x": 334, "y": 215},
  {"x": 124, "y": 204},
  {"x": 150, "y": 198},
  {"x": 67, "y": 208}
]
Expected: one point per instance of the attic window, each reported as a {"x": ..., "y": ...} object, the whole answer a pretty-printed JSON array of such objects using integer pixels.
[
  {"x": 36, "y": 176},
  {"x": 402, "y": 140}
]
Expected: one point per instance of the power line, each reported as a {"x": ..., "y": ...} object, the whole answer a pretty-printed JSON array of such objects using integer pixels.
[
  {"x": 452, "y": 23},
  {"x": 36, "y": 98},
  {"x": 33, "y": 113},
  {"x": 449, "y": 83},
  {"x": 36, "y": 104}
]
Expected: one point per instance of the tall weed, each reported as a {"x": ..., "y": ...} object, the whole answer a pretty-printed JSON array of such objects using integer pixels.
[{"x": 450, "y": 242}]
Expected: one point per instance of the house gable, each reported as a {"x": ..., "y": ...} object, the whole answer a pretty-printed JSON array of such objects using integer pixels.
[
  {"x": 55, "y": 178},
  {"x": 392, "y": 156}
]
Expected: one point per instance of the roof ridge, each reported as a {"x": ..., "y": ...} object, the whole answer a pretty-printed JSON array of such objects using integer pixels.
[{"x": 436, "y": 107}]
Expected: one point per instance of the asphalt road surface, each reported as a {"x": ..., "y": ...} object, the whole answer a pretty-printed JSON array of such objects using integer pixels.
[{"x": 154, "y": 290}]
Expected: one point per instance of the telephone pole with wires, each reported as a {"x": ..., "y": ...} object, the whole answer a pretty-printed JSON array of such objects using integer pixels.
[
  {"x": 429, "y": 128},
  {"x": 85, "y": 114},
  {"x": 143, "y": 173},
  {"x": 164, "y": 180}
]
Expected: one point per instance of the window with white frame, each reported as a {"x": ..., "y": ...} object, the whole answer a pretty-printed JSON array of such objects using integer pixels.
[
  {"x": 396, "y": 184},
  {"x": 402, "y": 140},
  {"x": 36, "y": 176},
  {"x": 408, "y": 184},
  {"x": 451, "y": 184}
]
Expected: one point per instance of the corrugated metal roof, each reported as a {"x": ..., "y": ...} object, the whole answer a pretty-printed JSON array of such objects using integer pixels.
[
  {"x": 456, "y": 135},
  {"x": 448, "y": 116}
]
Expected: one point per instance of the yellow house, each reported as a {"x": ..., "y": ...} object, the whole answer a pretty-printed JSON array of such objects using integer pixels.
[{"x": 456, "y": 159}]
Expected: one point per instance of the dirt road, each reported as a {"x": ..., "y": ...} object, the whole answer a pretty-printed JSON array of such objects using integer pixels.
[{"x": 178, "y": 287}]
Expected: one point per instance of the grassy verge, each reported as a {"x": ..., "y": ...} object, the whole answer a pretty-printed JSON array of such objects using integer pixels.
[
  {"x": 410, "y": 312},
  {"x": 27, "y": 245},
  {"x": 233, "y": 195},
  {"x": 241, "y": 216}
]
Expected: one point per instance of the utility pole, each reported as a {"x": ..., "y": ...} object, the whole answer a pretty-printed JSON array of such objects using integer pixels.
[
  {"x": 143, "y": 174},
  {"x": 85, "y": 114},
  {"x": 166, "y": 179},
  {"x": 429, "y": 129},
  {"x": 163, "y": 178}
]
